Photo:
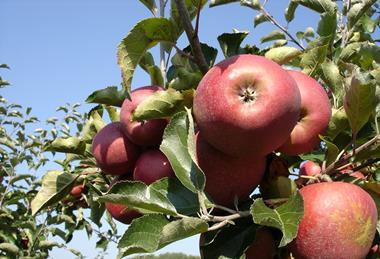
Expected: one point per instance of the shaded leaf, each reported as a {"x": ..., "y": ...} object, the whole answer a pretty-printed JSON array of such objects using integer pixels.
[
  {"x": 338, "y": 123},
  {"x": 108, "y": 96},
  {"x": 230, "y": 42},
  {"x": 357, "y": 10},
  {"x": 332, "y": 151},
  {"x": 260, "y": 18},
  {"x": 9, "y": 248},
  {"x": 332, "y": 76}
]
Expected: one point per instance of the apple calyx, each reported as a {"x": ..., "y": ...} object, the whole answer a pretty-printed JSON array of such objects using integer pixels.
[{"x": 247, "y": 94}]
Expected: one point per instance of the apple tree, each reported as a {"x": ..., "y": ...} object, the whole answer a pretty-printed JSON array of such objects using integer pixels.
[{"x": 215, "y": 132}]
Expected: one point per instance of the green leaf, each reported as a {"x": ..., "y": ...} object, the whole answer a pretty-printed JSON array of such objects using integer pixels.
[
  {"x": 155, "y": 76},
  {"x": 315, "y": 54},
  {"x": 260, "y": 18},
  {"x": 175, "y": 146},
  {"x": 214, "y": 3},
  {"x": 9, "y": 248},
  {"x": 282, "y": 55},
  {"x": 149, "y": 233},
  {"x": 290, "y": 10},
  {"x": 332, "y": 151},
  {"x": 327, "y": 25},
  {"x": 107, "y": 96},
  {"x": 320, "y": 6},
  {"x": 161, "y": 104},
  {"x": 146, "y": 61},
  {"x": 332, "y": 76},
  {"x": 151, "y": 5},
  {"x": 274, "y": 35},
  {"x": 229, "y": 242},
  {"x": 55, "y": 186},
  {"x": 185, "y": 80},
  {"x": 285, "y": 217},
  {"x": 139, "y": 196},
  {"x": 230, "y": 42},
  {"x": 48, "y": 244},
  {"x": 338, "y": 123},
  {"x": 359, "y": 101},
  {"x": 20, "y": 177},
  {"x": 72, "y": 145},
  {"x": 146, "y": 34},
  {"x": 357, "y": 10}
]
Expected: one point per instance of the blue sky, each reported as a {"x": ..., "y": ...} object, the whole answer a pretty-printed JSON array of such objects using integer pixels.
[{"x": 61, "y": 51}]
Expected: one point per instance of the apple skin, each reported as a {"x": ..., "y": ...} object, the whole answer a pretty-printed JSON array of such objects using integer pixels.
[
  {"x": 356, "y": 174},
  {"x": 227, "y": 176},
  {"x": 339, "y": 222},
  {"x": 310, "y": 168},
  {"x": 151, "y": 166},
  {"x": 314, "y": 119},
  {"x": 77, "y": 191},
  {"x": 115, "y": 154},
  {"x": 147, "y": 133},
  {"x": 237, "y": 121},
  {"x": 264, "y": 246},
  {"x": 121, "y": 212}
]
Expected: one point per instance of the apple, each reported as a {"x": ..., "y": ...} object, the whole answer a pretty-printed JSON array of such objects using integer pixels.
[
  {"x": 115, "y": 154},
  {"x": 77, "y": 191},
  {"x": 310, "y": 168},
  {"x": 146, "y": 133},
  {"x": 356, "y": 174},
  {"x": 121, "y": 212},
  {"x": 263, "y": 247},
  {"x": 246, "y": 104},
  {"x": 339, "y": 222},
  {"x": 228, "y": 177},
  {"x": 151, "y": 166},
  {"x": 314, "y": 118}
]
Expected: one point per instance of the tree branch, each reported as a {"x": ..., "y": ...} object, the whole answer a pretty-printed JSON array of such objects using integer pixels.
[{"x": 192, "y": 37}]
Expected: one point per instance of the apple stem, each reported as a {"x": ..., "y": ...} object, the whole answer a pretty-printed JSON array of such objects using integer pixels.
[
  {"x": 162, "y": 50},
  {"x": 191, "y": 36}
]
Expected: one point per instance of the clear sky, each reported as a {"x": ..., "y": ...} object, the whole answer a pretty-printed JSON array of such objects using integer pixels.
[{"x": 60, "y": 51}]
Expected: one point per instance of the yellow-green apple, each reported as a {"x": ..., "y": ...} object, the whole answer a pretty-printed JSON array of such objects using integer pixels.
[
  {"x": 145, "y": 133},
  {"x": 246, "y": 104},
  {"x": 264, "y": 246},
  {"x": 114, "y": 153},
  {"x": 228, "y": 177},
  {"x": 314, "y": 118},
  {"x": 151, "y": 166},
  {"x": 121, "y": 212},
  {"x": 339, "y": 222}
]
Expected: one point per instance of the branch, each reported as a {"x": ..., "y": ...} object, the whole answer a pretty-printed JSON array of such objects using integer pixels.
[{"x": 192, "y": 37}]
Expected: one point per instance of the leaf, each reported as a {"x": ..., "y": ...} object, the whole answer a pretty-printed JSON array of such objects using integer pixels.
[
  {"x": 48, "y": 244},
  {"x": 9, "y": 248},
  {"x": 357, "y": 10},
  {"x": 332, "y": 151},
  {"x": 150, "y": 4},
  {"x": 290, "y": 10},
  {"x": 327, "y": 25},
  {"x": 320, "y": 6},
  {"x": 161, "y": 104},
  {"x": 229, "y": 242},
  {"x": 260, "y": 18},
  {"x": 146, "y": 34},
  {"x": 359, "y": 101},
  {"x": 72, "y": 145},
  {"x": 20, "y": 177},
  {"x": 332, "y": 76},
  {"x": 274, "y": 35},
  {"x": 185, "y": 80},
  {"x": 230, "y": 42},
  {"x": 214, "y": 3},
  {"x": 155, "y": 76},
  {"x": 315, "y": 54},
  {"x": 139, "y": 196},
  {"x": 282, "y": 55},
  {"x": 107, "y": 96},
  {"x": 285, "y": 217},
  {"x": 338, "y": 123},
  {"x": 55, "y": 186},
  {"x": 175, "y": 147},
  {"x": 149, "y": 233}
]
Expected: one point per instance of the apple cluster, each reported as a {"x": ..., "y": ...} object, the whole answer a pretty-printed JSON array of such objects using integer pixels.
[{"x": 245, "y": 108}]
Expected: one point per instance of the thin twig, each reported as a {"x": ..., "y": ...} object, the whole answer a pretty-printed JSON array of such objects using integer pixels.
[
  {"x": 366, "y": 163},
  {"x": 198, "y": 16},
  {"x": 191, "y": 36},
  {"x": 162, "y": 49}
]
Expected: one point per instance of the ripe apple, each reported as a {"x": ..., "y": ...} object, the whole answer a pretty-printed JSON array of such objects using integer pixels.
[
  {"x": 114, "y": 153},
  {"x": 121, "y": 212},
  {"x": 246, "y": 104},
  {"x": 151, "y": 166},
  {"x": 146, "y": 133},
  {"x": 314, "y": 118},
  {"x": 227, "y": 176},
  {"x": 339, "y": 222},
  {"x": 263, "y": 247},
  {"x": 356, "y": 174},
  {"x": 77, "y": 191},
  {"x": 310, "y": 168}
]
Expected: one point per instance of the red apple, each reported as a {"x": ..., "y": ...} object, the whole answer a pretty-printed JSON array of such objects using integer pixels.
[
  {"x": 314, "y": 118},
  {"x": 246, "y": 104},
  {"x": 356, "y": 174},
  {"x": 114, "y": 153},
  {"x": 310, "y": 168},
  {"x": 339, "y": 222},
  {"x": 77, "y": 191},
  {"x": 263, "y": 247},
  {"x": 121, "y": 212},
  {"x": 227, "y": 176},
  {"x": 146, "y": 133},
  {"x": 151, "y": 166}
]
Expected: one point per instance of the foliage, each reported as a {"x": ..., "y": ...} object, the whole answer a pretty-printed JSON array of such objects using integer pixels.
[{"x": 166, "y": 256}]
